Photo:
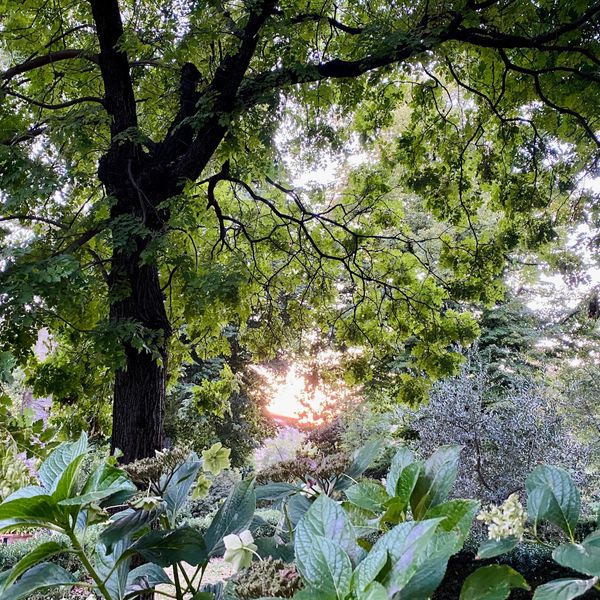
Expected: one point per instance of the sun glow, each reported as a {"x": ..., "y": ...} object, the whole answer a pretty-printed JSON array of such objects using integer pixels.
[{"x": 293, "y": 398}]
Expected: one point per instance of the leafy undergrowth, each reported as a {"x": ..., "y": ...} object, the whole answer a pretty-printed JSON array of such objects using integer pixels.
[{"x": 464, "y": 563}]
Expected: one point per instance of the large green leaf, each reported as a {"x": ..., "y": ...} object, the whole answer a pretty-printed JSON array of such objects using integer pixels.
[
  {"x": 56, "y": 464},
  {"x": 457, "y": 516},
  {"x": 166, "y": 548},
  {"x": 436, "y": 480},
  {"x": 323, "y": 564},
  {"x": 127, "y": 522},
  {"x": 37, "y": 555},
  {"x": 405, "y": 545},
  {"x": 234, "y": 516},
  {"x": 583, "y": 557},
  {"x": 494, "y": 582},
  {"x": 30, "y": 511},
  {"x": 112, "y": 564},
  {"x": 65, "y": 485},
  {"x": 41, "y": 577},
  {"x": 326, "y": 518},
  {"x": 368, "y": 570},
  {"x": 368, "y": 495},
  {"x": 180, "y": 484},
  {"x": 563, "y": 589},
  {"x": 375, "y": 591},
  {"x": 276, "y": 491},
  {"x": 108, "y": 479},
  {"x": 552, "y": 496}
]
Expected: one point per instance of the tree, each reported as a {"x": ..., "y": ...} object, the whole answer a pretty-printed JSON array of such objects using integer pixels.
[{"x": 138, "y": 153}]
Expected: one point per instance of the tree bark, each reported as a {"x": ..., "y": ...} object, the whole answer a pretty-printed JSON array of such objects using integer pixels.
[{"x": 140, "y": 385}]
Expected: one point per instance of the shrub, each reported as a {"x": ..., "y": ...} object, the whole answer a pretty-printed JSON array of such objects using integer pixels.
[
  {"x": 504, "y": 434},
  {"x": 283, "y": 447}
]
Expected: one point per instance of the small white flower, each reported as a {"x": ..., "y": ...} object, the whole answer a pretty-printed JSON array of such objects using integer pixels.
[
  {"x": 506, "y": 520},
  {"x": 239, "y": 549}
]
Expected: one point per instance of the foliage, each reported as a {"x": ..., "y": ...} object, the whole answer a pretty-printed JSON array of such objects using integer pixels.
[
  {"x": 233, "y": 415},
  {"x": 334, "y": 556},
  {"x": 148, "y": 201},
  {"x": 552, "y": 497},
  {"x": 469, "y": 410},
  {"x": 68, "y": 502}
]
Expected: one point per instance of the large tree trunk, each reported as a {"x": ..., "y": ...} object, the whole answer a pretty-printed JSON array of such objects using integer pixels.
[{"x": 140, "y": 384}]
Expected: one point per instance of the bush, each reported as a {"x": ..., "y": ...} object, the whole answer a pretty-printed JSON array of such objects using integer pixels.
[
  {"x": 504, "y": 433},
  {"x": 11, "y": 554}
]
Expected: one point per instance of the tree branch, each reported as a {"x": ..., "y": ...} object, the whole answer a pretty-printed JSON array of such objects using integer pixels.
[
  {"x": 47, "y": 59},
  {"x": 59, "y": 106},
  {"x": 118, "y": 88}
]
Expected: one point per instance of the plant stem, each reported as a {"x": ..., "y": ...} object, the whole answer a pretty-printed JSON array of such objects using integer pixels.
[
  {"x": 88, "y": 565},
  {"x": 178, "y": 592}
]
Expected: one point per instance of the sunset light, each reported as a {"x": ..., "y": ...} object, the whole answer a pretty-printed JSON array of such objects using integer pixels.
[{"x": 291, "y": 397}]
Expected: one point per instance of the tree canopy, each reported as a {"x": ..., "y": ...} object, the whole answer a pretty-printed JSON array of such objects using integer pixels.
[{"x": 147, "y": 160}]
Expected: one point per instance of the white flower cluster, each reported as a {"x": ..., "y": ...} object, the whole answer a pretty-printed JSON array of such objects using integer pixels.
[{"x": 506, "y": 520}]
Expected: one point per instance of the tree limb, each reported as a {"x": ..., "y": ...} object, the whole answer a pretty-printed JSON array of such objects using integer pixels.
[{"x": 47, "y": 59}]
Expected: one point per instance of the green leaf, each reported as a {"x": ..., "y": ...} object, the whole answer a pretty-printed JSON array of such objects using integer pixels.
[
  {"x": 234, "y": 516},
  {"x": 30, "y": 511},
  {"x": 57, "y": 463},
  {"x": 583, "y": 557},
  {"x": 368, "y": 495},
  {"x": 436, "y": 480},
  {"x": 491, "y": 548},
  {"x": 167, "y": 547},
  {"x": 275, "y": 491},
  {"x": 402, "y": 459},
  {"x": 41, "y": 577},
  {"x": 494, "y": 582},
  {"x": 145, "y": 577},
  {"x": 180, "y": 484},
  {"x": 563, "y": 589},
  {"x": 458, "y": 515},
  {"x": 38, "y": 554},
  {"x": 362, "y": 461},
  {"x": 375, "y": 591},
  {"x": 323, "y": 564},
  {"x": 326, "y": 518},
  {"x": 405, "y": 545},
  {"x": 126, "y": 522},
  {"x": 369, "y": 568},
  {"x": 552, "y": 496},
  {"x": 66, "y": 482}
]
